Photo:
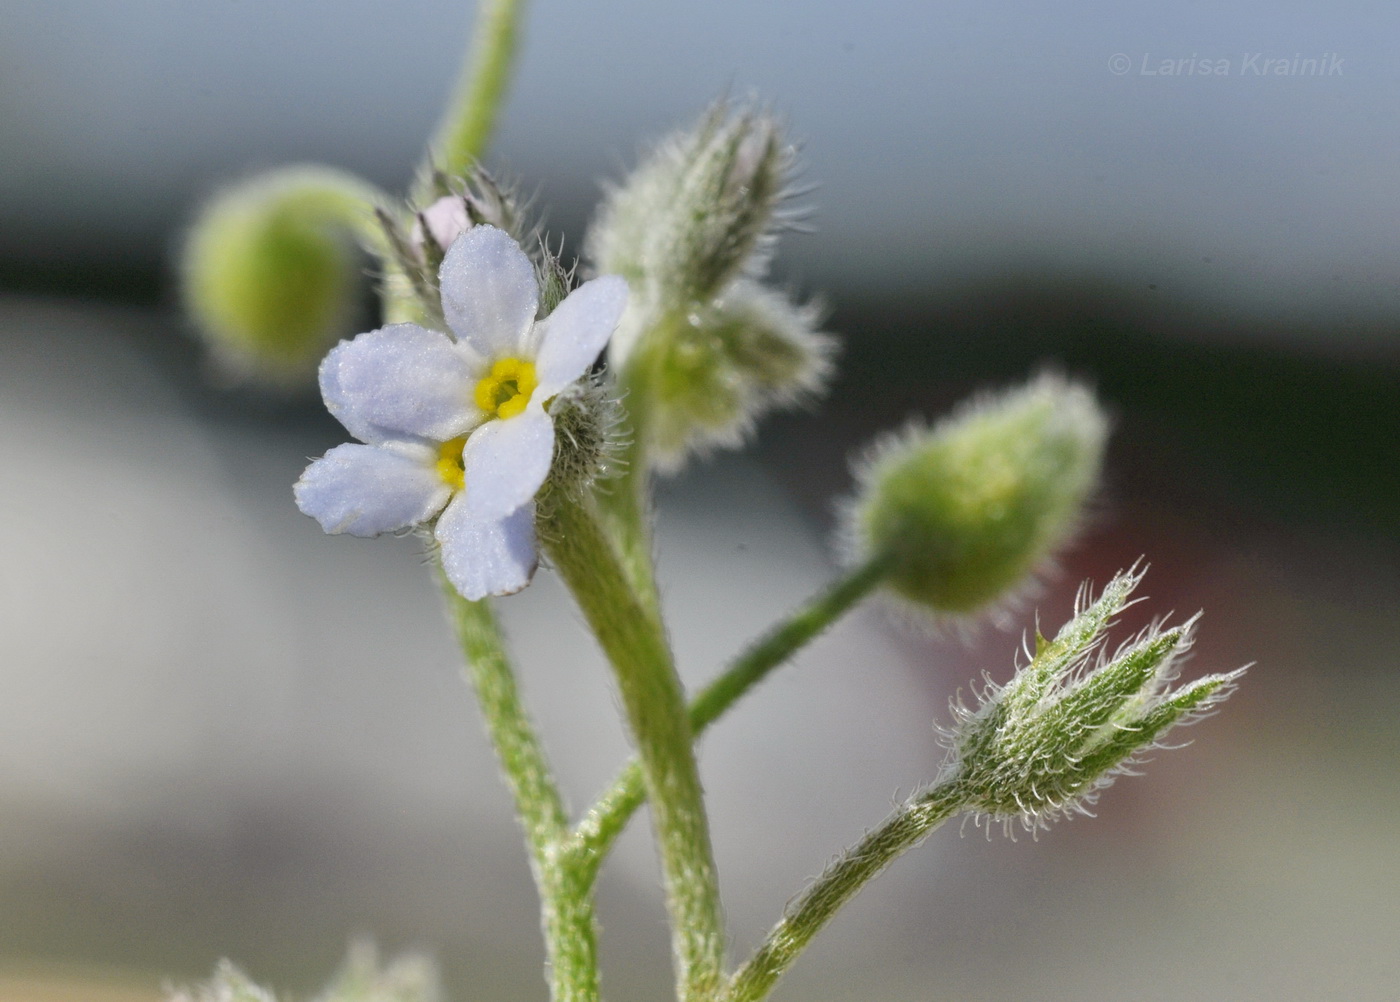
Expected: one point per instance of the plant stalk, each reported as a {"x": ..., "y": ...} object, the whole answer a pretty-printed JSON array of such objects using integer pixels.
[{"x": 633, "y": 637}]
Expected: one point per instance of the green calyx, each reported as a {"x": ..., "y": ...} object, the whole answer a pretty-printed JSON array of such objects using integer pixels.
[{"x": 967, "y": 509}]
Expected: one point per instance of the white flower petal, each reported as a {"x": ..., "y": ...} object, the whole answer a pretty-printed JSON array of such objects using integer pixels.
[
  {"x": 485, "y": 556},
  {"x": 573, "y": 336},
  {"x": 401, "y": 380},
  {"x": 505, "y": 462},
  {"x": 368, "y": 489},
  {"x": 489, "y": 292}
]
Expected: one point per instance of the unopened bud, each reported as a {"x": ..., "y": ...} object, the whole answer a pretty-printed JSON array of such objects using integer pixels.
[
  {"x": 228, "y": 984},
  {"x": 712, "y": 372},
  {"x": 698, "y": 212},
  {"x": 444, "y": 221},
  {"x": 270, "y": 270},
  {"x": 966, "y": 510},
  {"x": 363, "y": 978},
  {"x": 1067, "y": 725}
]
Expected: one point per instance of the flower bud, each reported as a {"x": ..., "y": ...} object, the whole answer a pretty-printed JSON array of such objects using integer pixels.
[
  {"x": 966, "y": 510},
  {"x": 228, "y": 984},
  {"x": 363, "y": 978},
  {"x": 1061, "y": 730},
  {"x": 270, "y": 270},
  {"x": 475, "y": 199},
  {"x": 419, "y": 237},
  {"x": 714, "y": 371},
  {"x": 699, "y": 211}
]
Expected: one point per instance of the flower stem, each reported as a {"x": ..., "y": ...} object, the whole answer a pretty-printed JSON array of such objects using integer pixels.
[
  {"x": 810, "y": 912},
  {"x": 567, "y": 914},
  {"x": 627, "y": 505},
  {"x": 467, "y": 124},
  {"x": 632, "y": 635},
  {"x": 606, "y": 820}
]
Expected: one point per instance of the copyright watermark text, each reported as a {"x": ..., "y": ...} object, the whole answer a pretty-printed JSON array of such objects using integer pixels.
[{"x": 1245, "y": 64}]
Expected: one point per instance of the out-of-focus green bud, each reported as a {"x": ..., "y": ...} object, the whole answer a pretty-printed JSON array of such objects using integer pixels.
[
  {"x": 228, "y": 984},
  {"x": 700, "y": 210},
  {"x": 966, "y": 510},
  {"x": 713, "y": 371},
  {"x": 1068, "y": 724},
  {"x": 270, "y": 269},
  {"x": 408, "y": 978}
]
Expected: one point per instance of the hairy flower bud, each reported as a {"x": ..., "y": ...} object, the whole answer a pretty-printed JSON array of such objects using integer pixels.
[
  {"x": 703, "y": 349},
  {"x": 419, "y": 237},
  {"x": 228, "y": 984},
  {"x": 699, "y": 211},
  {"x": 408, "y": 978},
  {"x": 966, "y": 510},
  {"x": 1062, "y": 729},
  {"x": 270, "y": 269},
  {"x": 714, "y": 371}
]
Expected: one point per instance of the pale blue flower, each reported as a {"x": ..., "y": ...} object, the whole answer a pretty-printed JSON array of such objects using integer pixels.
[{"x": 456, "y": 426}]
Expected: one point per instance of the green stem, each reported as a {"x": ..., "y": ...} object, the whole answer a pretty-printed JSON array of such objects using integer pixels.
[
  {"x": 470, "y": 118},
  {"x": 810, "y": 912},
  {"x": 627, "y": 503},
  {"x": 633, "y": 637},
  {"x": 606, "y": 820},
  {"x": 327, "y": 195},
  {"x": 570, "y": 928}
]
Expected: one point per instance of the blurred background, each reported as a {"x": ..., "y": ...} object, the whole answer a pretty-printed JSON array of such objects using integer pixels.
[{"x": 225, "y": 734}]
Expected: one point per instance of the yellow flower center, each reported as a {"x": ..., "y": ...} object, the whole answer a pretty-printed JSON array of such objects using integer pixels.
[
  {"x": 506, "y": 389},
  {"x": 449, "y": 464}
]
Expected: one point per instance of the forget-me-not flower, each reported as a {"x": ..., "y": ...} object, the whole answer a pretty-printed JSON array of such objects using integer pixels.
[{"x": 456, "y": 426}]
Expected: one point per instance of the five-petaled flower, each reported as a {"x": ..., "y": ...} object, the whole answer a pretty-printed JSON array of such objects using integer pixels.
[{"x": 457, "y": 427}]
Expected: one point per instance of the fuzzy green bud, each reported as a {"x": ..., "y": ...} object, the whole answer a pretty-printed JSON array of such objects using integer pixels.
[
  {"x": 270, "y": 269},
  {"x": 228, "y": 984},
  {"x": 408, "y": 978},
  {"x": 703, "y": 350},
  {"x": 713, "y": 371},
  {"x": 1074, "y": 718},
  {"x": 700, "y": 210},
  {"x": 966, "y": 510}
]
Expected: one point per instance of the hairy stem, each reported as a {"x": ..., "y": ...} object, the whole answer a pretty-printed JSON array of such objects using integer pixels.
[
  {"x": 627, "y": 505},
  {"x": 606, "y": 820},
  {"x": 809, "y": 913},
  {"x": 567, "y": 915},
  {"x": 633, "y": 637},
  {"x": 470, "y": 118}
]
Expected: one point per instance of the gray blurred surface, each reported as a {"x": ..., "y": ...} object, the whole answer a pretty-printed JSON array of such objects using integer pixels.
[
  {"x": 949, "y": 142},
  {"x": 226, "y": 733}
]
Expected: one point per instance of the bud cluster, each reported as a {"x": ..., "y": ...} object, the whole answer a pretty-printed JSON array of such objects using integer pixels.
[
  {"x": 1075, "y": 717},
  {"x": 706, "y": 348}
]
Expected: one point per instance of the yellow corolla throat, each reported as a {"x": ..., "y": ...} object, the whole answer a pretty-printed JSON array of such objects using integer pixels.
[
  {"x": 449, "y": 464},
  {"x": 505, "y": 390}
]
